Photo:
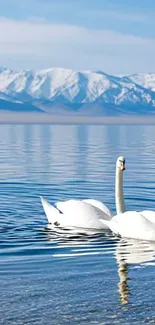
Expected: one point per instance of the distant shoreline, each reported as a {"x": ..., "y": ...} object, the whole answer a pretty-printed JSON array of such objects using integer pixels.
[{"x": 41, "y": 118}]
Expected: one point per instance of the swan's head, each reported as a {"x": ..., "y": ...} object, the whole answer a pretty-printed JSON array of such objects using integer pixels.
[{"x": 121, "y": 163}]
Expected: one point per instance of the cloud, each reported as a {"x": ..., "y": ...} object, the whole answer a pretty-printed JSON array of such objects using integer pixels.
[{"x": 40, "y": 44}]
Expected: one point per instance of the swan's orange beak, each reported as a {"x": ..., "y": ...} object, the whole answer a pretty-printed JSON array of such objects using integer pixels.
[{"x": 123, "y": 167}]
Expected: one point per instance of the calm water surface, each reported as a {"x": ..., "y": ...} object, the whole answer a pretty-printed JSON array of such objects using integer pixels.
[{"x": 61, "y": 278}]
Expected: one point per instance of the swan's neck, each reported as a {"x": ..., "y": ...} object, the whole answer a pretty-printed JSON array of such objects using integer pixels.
[{"x": 119, "y": 198}]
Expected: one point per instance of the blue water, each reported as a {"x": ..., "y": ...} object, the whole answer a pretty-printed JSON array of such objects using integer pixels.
[{"x": 60, "y": 278}]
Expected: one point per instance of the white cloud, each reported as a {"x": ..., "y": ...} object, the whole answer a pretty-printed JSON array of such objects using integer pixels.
[{"x": 39, "y": 44}]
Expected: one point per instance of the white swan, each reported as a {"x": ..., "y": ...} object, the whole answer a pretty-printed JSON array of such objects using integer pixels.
[
  {"x": 132, "y": 224},
  {"x": 85, "y": 213}
]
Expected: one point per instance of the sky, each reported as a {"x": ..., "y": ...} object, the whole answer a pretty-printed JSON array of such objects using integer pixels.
[{"x": 116, "y": 36}]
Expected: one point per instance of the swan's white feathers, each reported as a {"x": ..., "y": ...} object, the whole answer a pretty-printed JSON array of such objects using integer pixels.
[
  {"x": 75, "y": 213},
  {"x": 132, "y": 224},
  {"x": 99, "y": 205},
  {"x": 149, "y": 215},
  {"x": 51, "y": 212}
]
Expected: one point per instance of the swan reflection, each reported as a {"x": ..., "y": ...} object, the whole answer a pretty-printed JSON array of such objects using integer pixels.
[
  {"x": 130, "y": 251},
  {"x": 74, "y": 235}
]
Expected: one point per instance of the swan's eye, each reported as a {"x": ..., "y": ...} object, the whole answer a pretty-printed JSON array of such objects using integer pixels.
[{"x": 122, "y": 161}]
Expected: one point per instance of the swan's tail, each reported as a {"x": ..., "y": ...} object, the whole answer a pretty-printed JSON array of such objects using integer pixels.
[{"x": 51, "y": 212}]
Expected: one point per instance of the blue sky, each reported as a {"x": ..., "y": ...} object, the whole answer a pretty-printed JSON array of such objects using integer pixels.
[{"x": 117, "y": 36}]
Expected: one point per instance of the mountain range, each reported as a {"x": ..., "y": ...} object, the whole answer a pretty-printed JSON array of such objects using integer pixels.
[{"x": 65, "y": 91}]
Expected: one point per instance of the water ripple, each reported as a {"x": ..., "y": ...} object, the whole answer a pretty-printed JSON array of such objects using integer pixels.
[{"x": 60, "y": 277}]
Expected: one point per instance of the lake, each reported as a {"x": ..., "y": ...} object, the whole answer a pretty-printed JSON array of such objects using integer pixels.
[{"x": 63, "y": 278}]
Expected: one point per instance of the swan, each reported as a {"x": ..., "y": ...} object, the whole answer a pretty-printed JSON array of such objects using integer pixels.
[
  {"x": 131, "y": 224},
  {"x": 88, "y": 213}
]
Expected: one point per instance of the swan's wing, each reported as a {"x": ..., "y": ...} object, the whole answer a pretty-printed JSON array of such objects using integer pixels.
[
  {"x": 149, "y": 215},
  {"x": 132, "y": 224},
  {"x": 81, "y": 214},
  {"x": 52, "y": 214},
  {"x": 100, "y": 205},
  {"x": 63, "y": 206}
]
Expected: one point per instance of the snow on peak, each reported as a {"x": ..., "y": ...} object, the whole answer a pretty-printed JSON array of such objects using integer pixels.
[
  {"x": 67, "y": 86},
  {"x": 146, "y": 80}
]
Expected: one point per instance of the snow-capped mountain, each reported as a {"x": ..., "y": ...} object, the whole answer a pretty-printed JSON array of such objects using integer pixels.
[
  {"x": 146, "y": 80},
  {"x": 58, "y": 91}
]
